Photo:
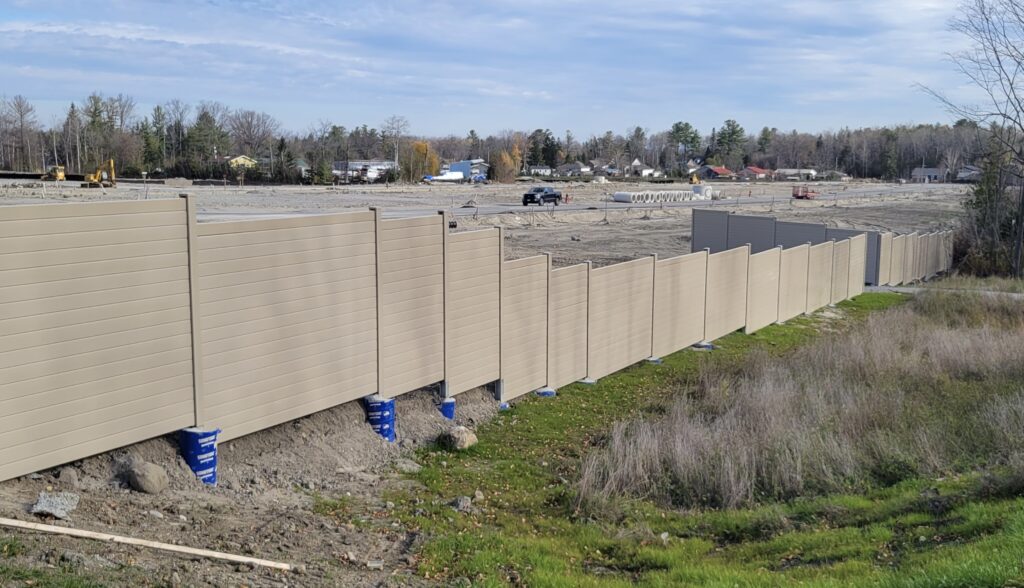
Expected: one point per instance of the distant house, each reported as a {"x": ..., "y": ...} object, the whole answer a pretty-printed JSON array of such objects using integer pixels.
[
  {"x": 574, "y": 168},
  {"x": 640, "y": 169},
  {"x": 302, "y": 166},
  {"x": 539, "y": 170},
  {"x": 795, "y": 174},
  {"x": 716, "y": 172},
  {"x": 752, "y": 172},
  {"x": 470, "y": 168},
  {"x": 242, "y": 161},
  {"x": 927, "y": 175},
  {"x": 969, "y": 173}
]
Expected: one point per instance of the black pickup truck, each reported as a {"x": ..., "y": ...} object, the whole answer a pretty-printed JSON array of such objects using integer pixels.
[{"x": 542, "y": 196}]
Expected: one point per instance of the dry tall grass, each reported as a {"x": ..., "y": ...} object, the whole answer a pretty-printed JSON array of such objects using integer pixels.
[{"x": 924, "y": 389}]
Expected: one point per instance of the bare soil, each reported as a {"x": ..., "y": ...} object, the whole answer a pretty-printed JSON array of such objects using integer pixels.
[
  {"x": 268, "y": 504},
  {"x": 622, "y": 235}
]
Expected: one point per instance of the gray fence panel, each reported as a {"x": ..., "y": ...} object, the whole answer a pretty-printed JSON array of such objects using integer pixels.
[
  {"x": 758, "y": 231},
  {"x": 789, "y": 234},
  {"x": 710, "y": 230}
]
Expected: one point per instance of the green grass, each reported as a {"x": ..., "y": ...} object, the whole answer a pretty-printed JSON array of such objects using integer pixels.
[
  {"x": 11, "y": 547},
  {"x": 526, "y": 531},
  {"x": 11, "y": 575}
]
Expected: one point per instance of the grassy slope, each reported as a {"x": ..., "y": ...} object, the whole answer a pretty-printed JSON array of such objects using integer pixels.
[{"x": 525, "y": 529}]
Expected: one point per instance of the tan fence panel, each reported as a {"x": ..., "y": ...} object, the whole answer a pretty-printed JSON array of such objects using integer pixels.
[
  {"x": 884, "y": 257},
  {"x": 95, "y": 329},
  {"x": 762, "y": 289},
  {"x": 899, "y": 246},
  {"x": 679, "y": 293},
  {"x": 472, "y": 310},
  {"x": 524, "y": 325},
  {"x": 288, "y": 318},
  {"x": 793, "y": 282},
  {"x": 936, "y": 253},
  {"x": 858, "y": 260},
  {"x": 922, "y": 260},
  {"x": 840, "y": 271},
  {"x": 411, "y": 305},
  {"x": 620, "y": 316},
  {"x": 725, "y": 306},
  {"x": 567, "y": 325},
  {"x": 819, "y": 276},
  {"x": 909, "y": 259},
  {"x": 949, "y": 250}
]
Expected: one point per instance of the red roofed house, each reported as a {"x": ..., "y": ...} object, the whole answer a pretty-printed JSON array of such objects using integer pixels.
[
  {"x": 716, "y": 172},
  {"x": 752, "y": 172}
]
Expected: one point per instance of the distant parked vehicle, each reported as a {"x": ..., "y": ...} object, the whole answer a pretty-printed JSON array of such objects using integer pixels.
[
  {"x": 542, "y": 196},
  {"x": 804, "y": 193}
]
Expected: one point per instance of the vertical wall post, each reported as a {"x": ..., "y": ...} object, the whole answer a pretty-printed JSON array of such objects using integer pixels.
[
  {"x": 377, "y": 229},
  {"x": 445, "y": 392},
  {"x": 548, "y": 389},
  {"x": 707, "y": 268},
  {"x": 651, "y": 357},
  {"x": 590, "y": 268},
  {"x": 547, "y": 330},
  {"x": 499, "y": 389},
  {"x": 807, "y": 288},
  {"x": 194, "y": 310}
]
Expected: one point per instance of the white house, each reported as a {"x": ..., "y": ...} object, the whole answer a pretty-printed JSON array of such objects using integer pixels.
[{"x": 795, "y": 174}]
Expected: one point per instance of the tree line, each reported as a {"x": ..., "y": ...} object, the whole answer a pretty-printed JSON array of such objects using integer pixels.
[{"x": 177, "y": 139}]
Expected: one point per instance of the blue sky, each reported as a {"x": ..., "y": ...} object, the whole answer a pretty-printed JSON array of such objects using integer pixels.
[{"x": 588, "y": 66}]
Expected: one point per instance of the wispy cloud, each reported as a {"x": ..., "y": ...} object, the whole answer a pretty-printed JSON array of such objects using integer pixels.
[{"x": 588, "y": 65}]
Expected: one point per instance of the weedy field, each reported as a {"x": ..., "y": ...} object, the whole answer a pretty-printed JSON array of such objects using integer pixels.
[{"x": 878, "y": 445}]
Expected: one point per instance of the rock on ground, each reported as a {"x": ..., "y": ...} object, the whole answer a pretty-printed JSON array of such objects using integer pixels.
[
  {"x": 458, "y": 438},
  {"x": 407, "y": 466},
  {"x": 69, "y": 477},
  {"x": 147, "y": 477},
  {"x": 462, "y": 504},
  {"x": 58, "y": 504}
]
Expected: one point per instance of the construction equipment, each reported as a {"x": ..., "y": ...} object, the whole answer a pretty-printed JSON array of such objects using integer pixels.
[
  {"x": 104, "y": 177},
  {"x": 54, "y": 174},
  {"x": 804, "y": 193}
]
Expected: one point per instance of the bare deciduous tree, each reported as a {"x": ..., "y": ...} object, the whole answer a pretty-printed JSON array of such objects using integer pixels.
[
  {"x": 994, "y": 63},
  {"x": 252, "y": 130},
  {"x": 23, "y": 117},
  {"x": 394, "y": 128}
]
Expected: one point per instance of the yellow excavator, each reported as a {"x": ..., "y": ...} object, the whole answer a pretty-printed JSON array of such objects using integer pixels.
[
  {"x": 104, "y": 177},
  {"x": 54, "y": 174}
]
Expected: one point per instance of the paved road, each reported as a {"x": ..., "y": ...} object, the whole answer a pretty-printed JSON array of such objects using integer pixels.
[{"x": 866, "y": 193}]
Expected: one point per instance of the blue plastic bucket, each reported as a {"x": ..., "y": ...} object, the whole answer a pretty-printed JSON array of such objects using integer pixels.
[
  {"x": 380, "y": 413},
  {"x": 199, "y": 448},
  {"x": 448, "y": 408}
]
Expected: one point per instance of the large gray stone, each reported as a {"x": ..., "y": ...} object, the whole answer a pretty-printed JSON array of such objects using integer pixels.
[
  {"x": 458, "y": 438},
  {"x": 57, "y": 504},
  {"x": 147, "y": 477}
]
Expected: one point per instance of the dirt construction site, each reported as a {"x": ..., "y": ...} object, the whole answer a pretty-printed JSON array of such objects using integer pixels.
[
  {"x": 313, "y": 492},
  {"x": 588, "y": 226}
]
